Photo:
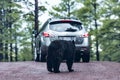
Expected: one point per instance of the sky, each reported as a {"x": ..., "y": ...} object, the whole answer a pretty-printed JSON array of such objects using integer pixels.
[
  {"x": 51, "y": 3},
  {"x": 44, "y": 16}
]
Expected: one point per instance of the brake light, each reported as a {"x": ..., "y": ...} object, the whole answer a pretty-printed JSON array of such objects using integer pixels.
[
  {"x": 65, "y": 20},
  {"x": 45, "y": 34},
  {"x": 86, "y": 35}
]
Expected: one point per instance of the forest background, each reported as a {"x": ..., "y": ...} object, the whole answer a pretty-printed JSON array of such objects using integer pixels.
[{"x": 18, "y": 26}]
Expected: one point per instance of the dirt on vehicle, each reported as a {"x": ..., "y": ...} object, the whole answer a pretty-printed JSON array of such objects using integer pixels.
[{"x": 31, "y": 70}]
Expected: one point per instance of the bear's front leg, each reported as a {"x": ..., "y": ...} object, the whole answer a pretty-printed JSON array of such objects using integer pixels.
[
  {"x": 56, "y": 66},
  {"x": 49, "y": 64},
  {"x": 69, "y": 65}
]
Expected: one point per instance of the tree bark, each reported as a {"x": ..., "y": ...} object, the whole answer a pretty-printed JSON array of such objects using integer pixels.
[{"x": 36, "y": 28}]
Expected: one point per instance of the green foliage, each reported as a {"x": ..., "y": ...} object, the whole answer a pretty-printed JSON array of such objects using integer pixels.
[
  {"x": 42, "y": 8},
  {"x": 110, "y": 31},
  {"x": 107, "y": 12},
  {"x": 64, "y": 9},
  {"x": 110, "y": 38},
  {"x": 12, "y": 34},
  {"x": 83, "y": 14},
  {"x": 13, "y": 19},
  {"x": 25, "y": 54},
  {"x": 9, "y": 26},
  {"x": 29, "y": 16}
]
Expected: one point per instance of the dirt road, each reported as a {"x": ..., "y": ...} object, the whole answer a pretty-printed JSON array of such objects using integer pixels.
[{"x": 37, "y": 71}]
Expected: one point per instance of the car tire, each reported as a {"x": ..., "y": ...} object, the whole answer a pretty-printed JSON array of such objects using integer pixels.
[
  {"x": 43, "y": 54},
  {"x": 43, "y": 58},
  {"x": 37, "y": 59},
  {"x": 86, "y": 57}
]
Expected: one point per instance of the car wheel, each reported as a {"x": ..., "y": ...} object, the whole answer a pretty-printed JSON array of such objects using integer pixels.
[
  {"x": 43, "y": 54},
  {"x": 86, "y": 57},
  {"x": 37, "y": 59},
  {"x": 43, "y": 58},
  {"x": 77, "y": 56}
]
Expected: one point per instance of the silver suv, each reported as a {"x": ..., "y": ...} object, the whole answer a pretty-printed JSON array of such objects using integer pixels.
[{"x": 63, "y": 29}]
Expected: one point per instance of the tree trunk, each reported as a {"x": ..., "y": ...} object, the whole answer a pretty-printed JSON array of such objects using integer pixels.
[
  {"x": 6, "y": 51},
  {"x": 36, "y": 27},
  {"x": 16, "y": 48},
  {"x": 1, "y": 33},
  {"x": 32, "y": 46},
  {"x": 96, "y": 26},
  {"x": 11, "y": 47}
]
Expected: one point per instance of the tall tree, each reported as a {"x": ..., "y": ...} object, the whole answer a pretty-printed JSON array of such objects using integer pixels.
[
  {"x": 89, "y": 14},
  {"x": 10, "y": 14},
  {"x": 31, "y": 18},
  {"x": 1, "y": 31},
  {"x": 110, "y": 31},
  {"x": 64, "y": 9}
]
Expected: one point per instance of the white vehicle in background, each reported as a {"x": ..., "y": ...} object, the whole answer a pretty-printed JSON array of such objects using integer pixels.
[{"x": 64, "y": 29}]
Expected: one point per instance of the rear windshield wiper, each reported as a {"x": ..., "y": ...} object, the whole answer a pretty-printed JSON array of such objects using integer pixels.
[{"x": 70, "y": 30}]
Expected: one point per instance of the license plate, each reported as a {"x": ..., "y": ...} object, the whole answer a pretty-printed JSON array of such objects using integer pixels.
[{"x": 67, "y": 38}]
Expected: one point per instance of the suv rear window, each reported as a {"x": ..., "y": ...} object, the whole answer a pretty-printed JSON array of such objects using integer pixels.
[{"x": 65, "y": 26}]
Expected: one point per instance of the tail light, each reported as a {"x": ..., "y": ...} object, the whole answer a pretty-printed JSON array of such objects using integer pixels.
[
  {"x": 86, "y": 35},
  {"x": 65, "y": 20},
  {"x": 45, "y": 34}
]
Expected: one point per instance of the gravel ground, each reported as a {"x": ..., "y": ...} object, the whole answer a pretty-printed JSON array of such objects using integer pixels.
[{"x": 37, "y": 71}]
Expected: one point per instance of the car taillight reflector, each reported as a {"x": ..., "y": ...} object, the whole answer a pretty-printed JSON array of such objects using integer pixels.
[
  {"x": 45, "y": 34},
  {"x": 65, "y": 20},
  {"x": 86, "y": 35}
]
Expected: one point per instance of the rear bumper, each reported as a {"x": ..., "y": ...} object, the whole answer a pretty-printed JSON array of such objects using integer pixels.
[{"x": 83, "y": 49}]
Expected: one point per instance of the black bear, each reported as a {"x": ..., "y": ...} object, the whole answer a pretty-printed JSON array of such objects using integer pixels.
[{"x": 58, "y": 51}]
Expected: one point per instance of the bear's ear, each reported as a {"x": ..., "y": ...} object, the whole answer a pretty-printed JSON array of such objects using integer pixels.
[{"x": 73, "y": 41}]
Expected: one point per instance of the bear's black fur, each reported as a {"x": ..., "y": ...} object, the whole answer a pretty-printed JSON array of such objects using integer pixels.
[{"x": 58, "y": 51}]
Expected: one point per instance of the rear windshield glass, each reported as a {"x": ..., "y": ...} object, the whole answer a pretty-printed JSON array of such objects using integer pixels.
[{"x": 65, "y": 26}]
